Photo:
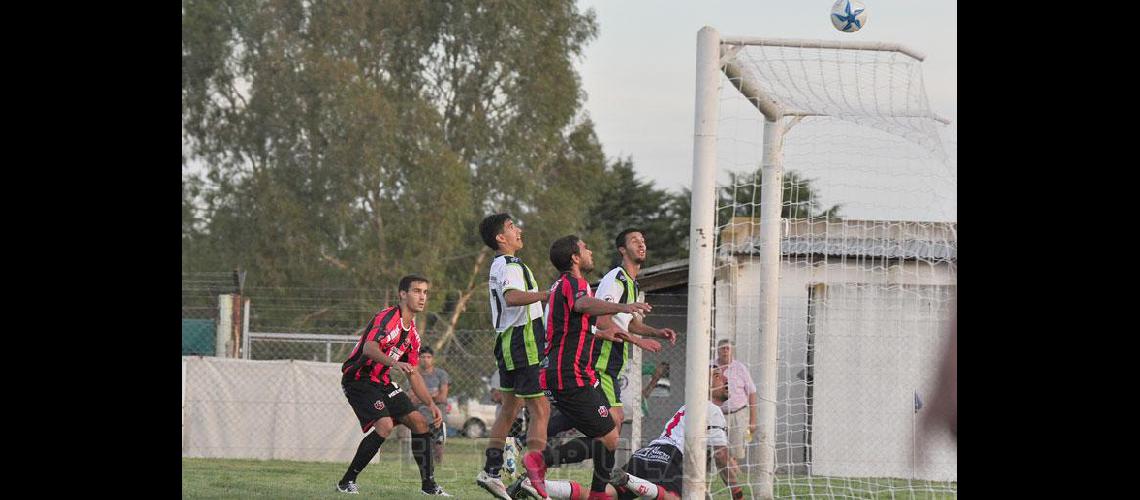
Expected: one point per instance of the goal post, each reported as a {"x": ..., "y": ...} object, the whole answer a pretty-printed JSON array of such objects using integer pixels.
[
  {"x": 842, "y": 263},
  {"x": 702, "y": 242}
]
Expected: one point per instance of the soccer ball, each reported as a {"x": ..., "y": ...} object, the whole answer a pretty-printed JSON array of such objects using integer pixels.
[{"x": 848, "y": 15}]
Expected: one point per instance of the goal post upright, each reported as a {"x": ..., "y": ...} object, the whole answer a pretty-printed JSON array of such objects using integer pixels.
[
  {"x": 769, "y": 308},
  {"x": 701, "y": 262},
  {"x": 702, "y": 244}
]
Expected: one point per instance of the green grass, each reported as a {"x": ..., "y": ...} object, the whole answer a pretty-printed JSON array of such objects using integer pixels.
[
  {"x": 392, "y": 477},
  {"x": 397, "y": 477}
]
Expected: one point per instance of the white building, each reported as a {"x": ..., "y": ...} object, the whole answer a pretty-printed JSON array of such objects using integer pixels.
[{"x": 864, "y": 310}]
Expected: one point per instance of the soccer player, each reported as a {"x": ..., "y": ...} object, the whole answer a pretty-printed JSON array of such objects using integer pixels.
[
  {"x": 516, "y": 315},
  {"x": 568, "y": 377},
  {"x": 390, "y": 341},
  {"x": 620, "y": 286},
  {"x": 656, "y": 471}
]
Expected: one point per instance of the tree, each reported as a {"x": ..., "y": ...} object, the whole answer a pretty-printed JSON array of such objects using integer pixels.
[
  {"x": 741, "y": 197},
  {"x": 348, "y": 143},
  {"x": 624, "y": 201}
]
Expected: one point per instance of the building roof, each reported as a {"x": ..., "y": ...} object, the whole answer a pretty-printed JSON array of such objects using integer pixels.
[
  {"x": 845, "y": 238},
  {"x": 848, "y": 238},
  {"x": 868, "y": 247}
]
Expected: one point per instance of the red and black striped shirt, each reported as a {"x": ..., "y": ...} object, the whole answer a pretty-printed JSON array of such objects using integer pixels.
[
  {"x": 387, "y": 329},
  {"x": 569, "y": 341}
]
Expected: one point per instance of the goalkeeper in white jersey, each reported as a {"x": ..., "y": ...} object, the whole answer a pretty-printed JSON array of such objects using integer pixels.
[{"x": 656, "y": 471}]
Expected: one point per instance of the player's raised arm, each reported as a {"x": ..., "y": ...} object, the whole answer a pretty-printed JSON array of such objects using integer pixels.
[
  {"x": 517, "y": 298},
  {"x": 598, "y": 307},
  {"x": 609, "y": 330}
]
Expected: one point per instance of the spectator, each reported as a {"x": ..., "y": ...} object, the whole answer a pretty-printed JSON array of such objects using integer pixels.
[
  {"x": 741, "y": 397},
  {"x": 437, "y": 382}
]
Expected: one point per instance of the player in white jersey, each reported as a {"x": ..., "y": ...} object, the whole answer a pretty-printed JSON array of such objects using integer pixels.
[
  {"x": 656, "y": 471},
  {"x": 516, "y": 315},
  {"x": 620, "y": 286}
]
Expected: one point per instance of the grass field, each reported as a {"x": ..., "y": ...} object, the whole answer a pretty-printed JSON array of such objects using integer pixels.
[{"x": 394, "y": 477}]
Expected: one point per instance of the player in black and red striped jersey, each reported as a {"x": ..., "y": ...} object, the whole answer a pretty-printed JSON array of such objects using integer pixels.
[
  {"x": 390, "y": 341},
  {"x": 567, "y": 376}
]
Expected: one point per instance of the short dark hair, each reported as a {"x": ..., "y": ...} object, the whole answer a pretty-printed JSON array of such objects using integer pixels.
[
  {"x": 491, "y": 227},
  {"x": 561, "y": 250},
  {"x": 406, "y": 281},
  {"x": 426, "y": 350},
  {"x": 620, "y": 240}
]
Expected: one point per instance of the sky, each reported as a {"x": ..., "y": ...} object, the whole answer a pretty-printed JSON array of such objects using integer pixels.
[{"x": 639, "y": 73}]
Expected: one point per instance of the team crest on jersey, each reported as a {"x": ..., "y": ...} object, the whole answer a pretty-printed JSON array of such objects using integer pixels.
[
  {"x": 603, "y": 411},
  {"x": 379, "y": 405}
]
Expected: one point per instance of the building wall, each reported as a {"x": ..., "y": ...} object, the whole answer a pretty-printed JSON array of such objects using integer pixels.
[{"x": 879, "y": 327}]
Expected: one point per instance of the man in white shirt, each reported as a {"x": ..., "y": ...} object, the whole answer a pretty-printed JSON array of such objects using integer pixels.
[
  {"x": 656, "y": 471},
  {"x": 740, "y": 409}
]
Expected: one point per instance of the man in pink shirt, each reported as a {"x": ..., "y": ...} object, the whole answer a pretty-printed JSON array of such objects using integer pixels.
[{"x": 740, "y": 409}]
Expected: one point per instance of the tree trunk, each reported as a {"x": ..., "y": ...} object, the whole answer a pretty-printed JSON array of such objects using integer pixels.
[{"x": 461, "y": 305}]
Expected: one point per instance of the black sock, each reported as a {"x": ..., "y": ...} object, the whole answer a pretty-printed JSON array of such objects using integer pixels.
[
  {"x": 494, "y": 461},
  {"x": 421, "y": 451},
  {"x": 603, "y": 466},
  {"x": 364, "y": 453},
  {"x": 570, "y": 452}
]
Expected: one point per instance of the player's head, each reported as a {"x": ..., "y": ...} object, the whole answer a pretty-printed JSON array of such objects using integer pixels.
[
  {"x": 569, "y": 251},
  {"x": 724, "y": 352},
  {"x": 414, "y": 292},
  {"x": 500, "y": 233},
  {"x": 426, "y": 356},
  {"x": 718, "y": 385},
  {"x": 630, "y": 244}
]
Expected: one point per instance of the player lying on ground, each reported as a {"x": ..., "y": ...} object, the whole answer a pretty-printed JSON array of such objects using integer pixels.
[{"x": 656, "y": 471}]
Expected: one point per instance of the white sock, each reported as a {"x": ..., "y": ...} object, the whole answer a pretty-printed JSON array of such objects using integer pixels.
[
  {"x": 559, "y": 490},
  {"x": 641, "y": 487}
]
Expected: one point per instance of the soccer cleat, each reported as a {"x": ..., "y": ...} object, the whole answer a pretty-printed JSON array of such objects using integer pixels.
[
  {"x": 536, "y": 471},
  {"x": 493, "y": 485},
  {"x": 435, "y": 491},
  {"x": 349, "y": 487},
  {"x": 523, "y": 489}
]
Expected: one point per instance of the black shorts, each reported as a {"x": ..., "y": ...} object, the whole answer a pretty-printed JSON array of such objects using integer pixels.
[
  {"x": 659, "y": 464},
  {"x": 518, "y": 352},
  {"x": 523, "y": 382},
  {"x": 586, "y": 408},
  {"x": 373, "y": 402}
]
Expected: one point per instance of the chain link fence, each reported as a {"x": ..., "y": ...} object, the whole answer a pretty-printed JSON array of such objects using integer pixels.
[
  {"x": 311, "y": 331},
  {"x": 235, "y": 409}
]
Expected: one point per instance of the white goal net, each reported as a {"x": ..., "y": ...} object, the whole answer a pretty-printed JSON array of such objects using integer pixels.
[{"x": 838, "y": 298}]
